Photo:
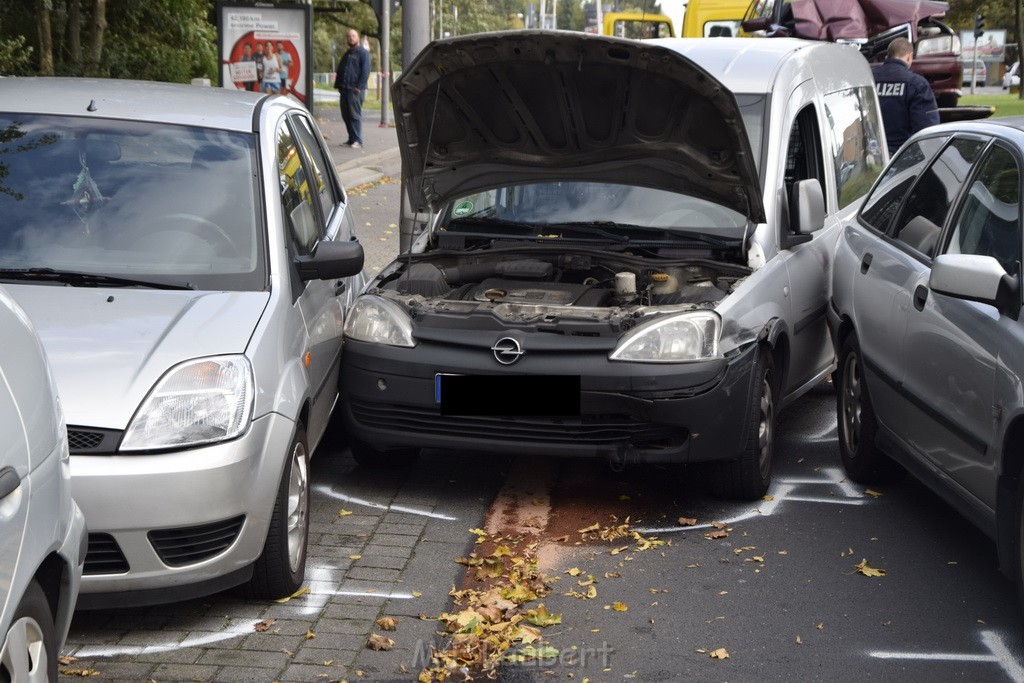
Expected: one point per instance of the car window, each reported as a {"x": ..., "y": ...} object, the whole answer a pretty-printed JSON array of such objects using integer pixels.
[
  {"x": 298, "y": 202},
  {"x": 928, "y": 203},
  {"x": 856, "y": 146},
  {"x": 884, "y": 201},
  {"x": 128, "y": 198},
  {"x": 988, "y": 222},
  {"x": 318, "y": 160}
]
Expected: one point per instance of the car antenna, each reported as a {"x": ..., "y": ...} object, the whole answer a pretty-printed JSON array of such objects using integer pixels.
[{"x": 423, "y": 171}]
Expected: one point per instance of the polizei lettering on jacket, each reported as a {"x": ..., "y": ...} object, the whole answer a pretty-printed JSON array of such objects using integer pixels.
[{"x": 891, "y": 89}]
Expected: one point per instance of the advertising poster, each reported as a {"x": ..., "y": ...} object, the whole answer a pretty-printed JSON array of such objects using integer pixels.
[
  {"x": 266, "y": 48},
  {"x": 990, "y": 47}
]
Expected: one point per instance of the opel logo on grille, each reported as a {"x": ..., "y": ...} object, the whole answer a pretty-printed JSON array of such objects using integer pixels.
[{"x": 507, "y": 350}]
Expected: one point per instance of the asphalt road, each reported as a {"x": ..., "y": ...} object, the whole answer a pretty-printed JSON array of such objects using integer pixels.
[{"x": 775, "y": 584}]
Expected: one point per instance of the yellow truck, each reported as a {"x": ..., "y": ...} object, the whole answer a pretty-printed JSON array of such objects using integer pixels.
[
  {"x": 637, "y": 25},
  {"x": 713, "y": 18}
]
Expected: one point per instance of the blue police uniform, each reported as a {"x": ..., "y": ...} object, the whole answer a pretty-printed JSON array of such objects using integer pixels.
[{"x": 906, "y": 100}]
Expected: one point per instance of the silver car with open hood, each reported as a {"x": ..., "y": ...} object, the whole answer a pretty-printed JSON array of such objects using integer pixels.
[{"x": 624, "y": 253}]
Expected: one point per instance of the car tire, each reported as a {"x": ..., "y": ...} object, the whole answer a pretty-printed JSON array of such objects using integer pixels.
[
  {"x": 29, "y": 650},
  {"x": 369, "y": 457},
  {"x": 281, "y": 567},
  {"x": 748, "y": 477},
  {"x": 863, "y": 461}
]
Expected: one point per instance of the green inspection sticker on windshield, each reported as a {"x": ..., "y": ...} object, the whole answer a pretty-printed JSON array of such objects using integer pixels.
[{"x": 462, "y": 209}]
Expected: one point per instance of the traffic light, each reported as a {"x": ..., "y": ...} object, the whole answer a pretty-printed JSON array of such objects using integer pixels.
[{"x": 979, "y": 24}]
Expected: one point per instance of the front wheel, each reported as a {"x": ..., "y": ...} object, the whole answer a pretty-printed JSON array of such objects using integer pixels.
[
  {"x": 748, "y": 477},
  {"x": 281, "y": 566},
  {"x": 863, "y": 461},
  {"x": 29, "y": 651}
]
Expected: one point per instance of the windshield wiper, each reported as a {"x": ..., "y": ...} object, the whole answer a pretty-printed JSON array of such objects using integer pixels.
[
  {"x": 78, "y": 279},
  {"x": 549, "y": 230},
  {"x": 667, "y": 236}
]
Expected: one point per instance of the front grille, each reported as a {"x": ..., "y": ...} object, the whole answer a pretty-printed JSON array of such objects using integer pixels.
[
  {"x": 91, "y": 441},
  {"x": 590, "y": 429},
  {"x": 189, "y": 545},
  {"x": 104, "y": 556}
]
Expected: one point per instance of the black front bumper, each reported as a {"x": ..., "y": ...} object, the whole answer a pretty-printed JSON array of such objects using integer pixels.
[{"x": 629, "y": 412}]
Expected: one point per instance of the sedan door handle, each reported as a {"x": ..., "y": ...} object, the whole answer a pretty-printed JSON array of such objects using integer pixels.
[
  {"x": 920, "y": 297},
  {"x": 9, "y": 481},
  {"x": 340, "y": 287},
  {"x": 865, "y": 263}
]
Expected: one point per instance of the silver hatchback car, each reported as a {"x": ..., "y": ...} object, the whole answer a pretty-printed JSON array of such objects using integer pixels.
[
  {"x": 926, "y": 316},
  {"x": 186, "y": 256}
]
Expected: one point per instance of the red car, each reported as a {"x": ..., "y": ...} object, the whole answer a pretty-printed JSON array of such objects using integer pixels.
[{"x": 872, "y": 24}]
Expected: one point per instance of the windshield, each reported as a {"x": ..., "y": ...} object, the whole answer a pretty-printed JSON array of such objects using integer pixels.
[
  {"x": 607, "y": 205},
  {"x": 140, "y": 201}
]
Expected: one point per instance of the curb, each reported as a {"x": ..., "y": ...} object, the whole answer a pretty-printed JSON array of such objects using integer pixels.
[{"x": 367, "y": 169}]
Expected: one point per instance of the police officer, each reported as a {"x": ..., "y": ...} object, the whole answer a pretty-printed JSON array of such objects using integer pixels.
[{"x": 906, "y": 99}]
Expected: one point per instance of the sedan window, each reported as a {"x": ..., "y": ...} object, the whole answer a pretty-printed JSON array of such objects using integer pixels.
[
  {"x": 931, "y": 198},
  {"x": 989, "y": 220},
  {"x": 884, "y": 201}
]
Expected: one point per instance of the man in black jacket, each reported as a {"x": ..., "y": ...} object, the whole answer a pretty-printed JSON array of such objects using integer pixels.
[
  {"x": 350, "y": 80},
  {"x": 906, "y": 99}
]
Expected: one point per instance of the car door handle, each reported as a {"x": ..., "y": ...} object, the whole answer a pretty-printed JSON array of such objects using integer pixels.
[
  {"x": 9, "y": 481},
  {"x": 865, "y": 263},
  {"x": 340, "y": 287},
  {"x": 920, "y": 297}
]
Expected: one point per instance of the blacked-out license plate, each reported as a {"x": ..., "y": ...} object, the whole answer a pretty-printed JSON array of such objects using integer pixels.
[{"x": 508, "y": 395}]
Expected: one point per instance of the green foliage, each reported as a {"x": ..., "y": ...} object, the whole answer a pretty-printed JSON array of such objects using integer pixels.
[
  {"x": 165, "y": 40},
  {"x": 15, "y": 56}
]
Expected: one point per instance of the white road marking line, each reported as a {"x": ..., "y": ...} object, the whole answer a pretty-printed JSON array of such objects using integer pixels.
[
  {"x": 327, "y": 490},
  {"x": 779, "y": 493},
  {"x": 1000, "y": 654}
]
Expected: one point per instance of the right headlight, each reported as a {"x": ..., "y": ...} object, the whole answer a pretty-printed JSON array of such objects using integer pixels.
[
  {"x": 685, "y": 337},
  {"x": 377, "y": 320}
]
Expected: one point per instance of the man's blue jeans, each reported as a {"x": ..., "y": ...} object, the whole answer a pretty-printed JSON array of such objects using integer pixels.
[{"x": 352, "y": 114}]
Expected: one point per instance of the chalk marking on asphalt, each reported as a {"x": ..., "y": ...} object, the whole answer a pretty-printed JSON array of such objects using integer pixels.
[
  {"x": 327, "y": 490},
  {"x": 779, "y": 493},
  {"x": 98, "y": 652},
  {"x": 999, "y": 654}
]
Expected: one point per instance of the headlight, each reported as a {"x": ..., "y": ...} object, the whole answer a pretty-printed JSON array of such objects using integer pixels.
[
  {"x": 937, "y": 45},
  {"x": 684, "y": 337},
  {"x": 198, "y": 402},
  {"x": 372, "y": 319}
]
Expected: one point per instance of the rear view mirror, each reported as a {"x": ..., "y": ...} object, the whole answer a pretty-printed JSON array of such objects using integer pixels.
[
  {"x": 976, "y": 278},
  {"x": 756, "y": 24},
  {"x": 331, "y": 260}
]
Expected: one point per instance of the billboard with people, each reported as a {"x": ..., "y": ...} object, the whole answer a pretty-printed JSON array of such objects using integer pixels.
[{"x": 266, "y": 48}]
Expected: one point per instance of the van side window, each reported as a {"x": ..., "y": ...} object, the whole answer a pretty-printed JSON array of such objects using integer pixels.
[
  {"x": 856, "y": 141},
  {"x": 803, "y": 154},
  {"x": 928, "y": 204},
  {"x": 988, "y": 222}
]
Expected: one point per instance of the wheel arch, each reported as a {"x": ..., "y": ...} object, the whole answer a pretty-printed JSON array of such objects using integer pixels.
[{"x": 51, "y": 576}]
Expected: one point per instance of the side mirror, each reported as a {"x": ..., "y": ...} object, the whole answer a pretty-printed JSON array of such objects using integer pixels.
[
  {"x": 976, "y": 278},
  {"x": 756, "y": 24},
  {"x": 330, "y": 260},
  {"x": 808, "y": 205}
]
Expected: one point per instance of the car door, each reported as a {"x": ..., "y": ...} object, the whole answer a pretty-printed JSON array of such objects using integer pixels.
[
  {"x": 954, "y": 345},
  {"x": 15, "y": 462},
  {"x": 314, "y": 210},
  {"x": 882, "y": 268}
]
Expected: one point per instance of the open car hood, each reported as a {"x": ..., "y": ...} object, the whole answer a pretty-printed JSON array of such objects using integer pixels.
[
  {"x": 859, "y": 19},
  {"x": 491, "y": 109}
]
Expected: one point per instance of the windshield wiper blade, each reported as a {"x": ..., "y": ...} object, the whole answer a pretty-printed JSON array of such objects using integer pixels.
[
  {"x": 672, "y": 235},
  {"x": 79, "y": 279}
]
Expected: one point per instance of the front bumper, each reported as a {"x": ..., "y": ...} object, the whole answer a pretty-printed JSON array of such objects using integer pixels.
[
  {"x": 171, "y": 526},
  {"x": 629, "y": 412}
]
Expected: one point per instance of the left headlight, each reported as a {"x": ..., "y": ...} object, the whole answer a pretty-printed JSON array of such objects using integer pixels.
[
  {"x": 377, "y": 320},
  {"x": 679, "y": 338},
  {"x": 198, "y": 402}
]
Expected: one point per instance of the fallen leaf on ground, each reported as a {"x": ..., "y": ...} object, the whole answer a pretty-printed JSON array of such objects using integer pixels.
[
  {"x": 575, "y": 571},
  {"x": 310, "y": 635},
  {"x": 416, "y": 594},
  {"x": 620, "y": 607},
  {"x": 66, "y": 659},
  {"x": 378, "y": 642},
  {"x": 343, "y": 512},
  {"x": 867, "y": 570},
  {"x": 261, "y": 626},
  {"x": 355, "y": 557},
  {"x": 687, "y": 521},
  {"x": 541, "y": 616},
  {"x": 589, "y": 529},
  {"x": 387, "y": 623},
  {"x": 81, "y": 673},
  {"x": 297, "y": 594},
  {"x": 720, "y": 653},
  {"x": 873, "y": 494}
]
